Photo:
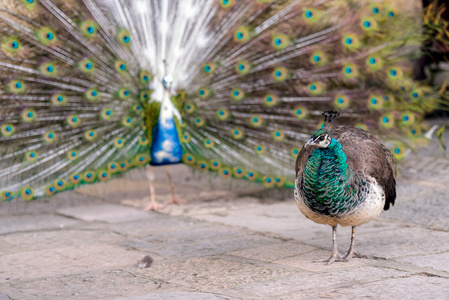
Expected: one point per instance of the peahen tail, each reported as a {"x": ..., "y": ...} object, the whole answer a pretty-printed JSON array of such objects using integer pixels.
[{"x": 81, "y": 84}]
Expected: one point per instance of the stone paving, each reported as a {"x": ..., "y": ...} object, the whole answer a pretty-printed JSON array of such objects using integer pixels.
[{"x": 227, "y": 242}]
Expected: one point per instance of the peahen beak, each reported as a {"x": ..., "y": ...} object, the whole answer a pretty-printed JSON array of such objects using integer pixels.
[{"x": 309, "y": 142}]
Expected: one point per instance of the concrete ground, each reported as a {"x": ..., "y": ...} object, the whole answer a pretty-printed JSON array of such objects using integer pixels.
[{"x": 232, "y": 240}]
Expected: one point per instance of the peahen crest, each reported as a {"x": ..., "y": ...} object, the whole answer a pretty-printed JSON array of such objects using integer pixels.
[
  {"x": 329, "y": 117},
  {"x": 83, "y": 85}
]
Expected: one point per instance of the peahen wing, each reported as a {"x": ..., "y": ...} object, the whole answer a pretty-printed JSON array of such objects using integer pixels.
[{"x": 368, "y": 156}]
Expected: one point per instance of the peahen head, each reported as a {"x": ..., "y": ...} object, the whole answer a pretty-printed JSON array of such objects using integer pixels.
[{"x": 320, "y": 138}]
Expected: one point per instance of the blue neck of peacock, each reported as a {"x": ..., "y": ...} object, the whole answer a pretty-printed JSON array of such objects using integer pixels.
[{"x": 326, "y": 177}]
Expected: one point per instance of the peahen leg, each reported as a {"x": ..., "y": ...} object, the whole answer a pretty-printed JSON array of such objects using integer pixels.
[
  {"x": 351, "y": 252},
  {"x": 335, "y": 255},
  {"x": 174, "y": 199},
  {"x": 153, "y": 204}
]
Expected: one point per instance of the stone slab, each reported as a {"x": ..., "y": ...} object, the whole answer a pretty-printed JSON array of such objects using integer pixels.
[
  {"x": 217, "y": 274},
  {"x": 285, "y": 220},
  {"x": 403, "y": 241},
  {"x": 305, "y": 261},
  {"x": 105, "y": 284},
  {"x": 300, "y": 284},
  {"x": 271, "y": 253},
  {"x": 417, "y": 287},
  {"x": 425, "y": 206},
  {"x": 63, "y": 261},
  {"x": 396, "y": 242},
  {"x": 110, "y": 213},
  {"x": 438, "y": 261},
  {"x": 43, "y": 240},
  {"x": 177, "y": 295},
  {"x": 199, "y": 248},
  {"x": 155, "y": 224},
  {"x": 13, "y": 293},
  {"x": 282, "y": 219},
  {"x": 34, "y": 223}
]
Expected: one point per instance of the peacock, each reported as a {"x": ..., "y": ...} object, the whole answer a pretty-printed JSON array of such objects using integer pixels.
[
  {"x": 90, "y": 89},
  {"x": 345, "y": 176}
]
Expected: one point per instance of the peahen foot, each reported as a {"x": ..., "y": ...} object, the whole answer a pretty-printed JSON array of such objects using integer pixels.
[
  {"x": 351, "y": 252},
  {"x": 335, "y": 256},
  {"x": 176, "y": 200},
  {"x": 154, "y": 206}
]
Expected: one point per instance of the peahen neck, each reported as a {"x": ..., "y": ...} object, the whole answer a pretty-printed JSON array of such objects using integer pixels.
[{"x": 327, "y": 180}]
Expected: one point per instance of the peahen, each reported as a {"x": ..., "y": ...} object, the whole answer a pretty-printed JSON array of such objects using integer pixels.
[
  {"x": 90, "y": 89},
  {"x": 345, "y": 176}
]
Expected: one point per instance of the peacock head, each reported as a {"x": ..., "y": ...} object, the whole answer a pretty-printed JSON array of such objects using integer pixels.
[{"x": 320, "y": 138}]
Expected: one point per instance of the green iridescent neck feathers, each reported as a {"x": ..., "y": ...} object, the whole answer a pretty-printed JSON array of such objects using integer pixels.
[{"x": 327, "y": 176}]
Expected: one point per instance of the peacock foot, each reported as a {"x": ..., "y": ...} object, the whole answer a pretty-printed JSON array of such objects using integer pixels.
[
  {"x": 175, "y": 200},
  {"x": 154, "y": 206},
  {"x": 335, "y": 256},
  {"x": 352, "y": 253}
]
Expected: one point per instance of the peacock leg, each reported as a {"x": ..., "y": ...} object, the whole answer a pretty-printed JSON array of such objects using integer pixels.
[
  {"x": 335, "y": 255},
  {"x": 153, "y": 204},
  {"x": 351, "y": 252},
  {"x": 174, "y": 199}
]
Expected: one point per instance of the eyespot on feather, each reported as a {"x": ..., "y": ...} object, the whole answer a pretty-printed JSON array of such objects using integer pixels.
[
  {"x": 89, "y": 28},
  {"x": 27, "y": 193},
  {"x": 16, "y": 86},
  {"x": 242, "y": 34},
  {"x": 124, "y": 37}
]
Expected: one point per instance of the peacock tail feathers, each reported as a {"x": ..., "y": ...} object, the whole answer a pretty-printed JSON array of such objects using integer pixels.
[
  {"x": 81, "y": 84},
  {"x": 264, "y": 95},
  {"x": 70, "y": 107},
  {"x": 437, "y": 25}
]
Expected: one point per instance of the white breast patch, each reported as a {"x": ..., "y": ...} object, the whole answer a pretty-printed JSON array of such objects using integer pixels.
[{"x": 361, "y": 214}]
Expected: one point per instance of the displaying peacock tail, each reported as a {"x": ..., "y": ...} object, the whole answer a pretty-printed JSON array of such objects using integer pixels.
[
  {"x": 83, "y": 85},
  {"x": 72, "y": 94},
  {"x": 267, "y": 79}
]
